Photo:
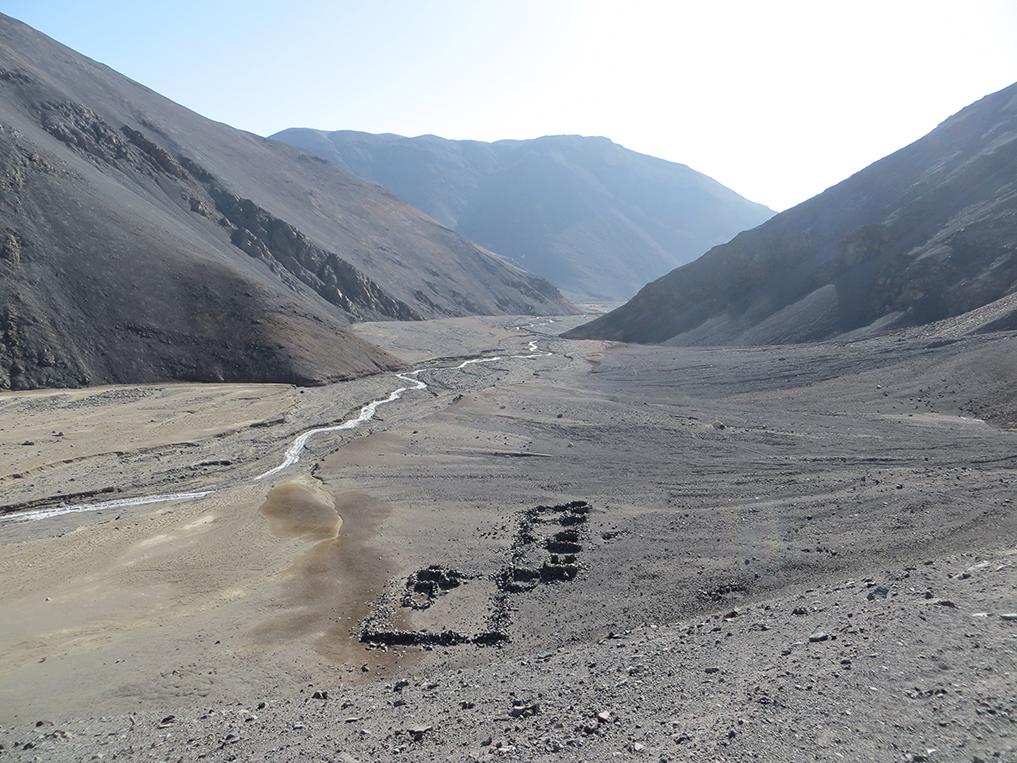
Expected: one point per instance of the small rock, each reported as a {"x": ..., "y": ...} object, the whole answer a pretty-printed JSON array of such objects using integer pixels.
[
  {"x": 417, "y": 733},
  {"x": 320, "y": 695},
  {"x": 523, "y": 710},
  {"x": 819, "y": 636}
]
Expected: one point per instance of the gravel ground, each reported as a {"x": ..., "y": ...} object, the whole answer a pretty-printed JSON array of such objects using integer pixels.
[{"x": 784, "y": 553}]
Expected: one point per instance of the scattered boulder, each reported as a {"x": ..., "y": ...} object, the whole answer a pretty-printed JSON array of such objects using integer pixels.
[{"x": 877, "y": 592}]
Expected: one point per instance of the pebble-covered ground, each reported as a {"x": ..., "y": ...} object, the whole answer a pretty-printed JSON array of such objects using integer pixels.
[
  {"x": 915, "y": 663},
  {"x": 775, "y": 554}
]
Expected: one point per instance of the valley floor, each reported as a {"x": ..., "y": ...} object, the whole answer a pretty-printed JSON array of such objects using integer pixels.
[{"x": 779, "y": 554}]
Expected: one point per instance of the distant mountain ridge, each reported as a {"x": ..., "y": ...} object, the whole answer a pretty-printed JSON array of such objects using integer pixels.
[
  {"x": 141, "y": 242},
  {"x": 593, "y": 217},
  {"x": 924, "y": 234}
]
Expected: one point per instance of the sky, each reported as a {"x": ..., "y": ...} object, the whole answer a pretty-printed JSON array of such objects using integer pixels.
[{"x": 777, "y": 100}]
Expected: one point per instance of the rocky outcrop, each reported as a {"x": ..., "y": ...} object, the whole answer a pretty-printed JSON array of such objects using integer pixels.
[
  {"x": 83, "y": 129},
  {"x": 156, "y": 154},
  {"x": 10, "y": 247},
  {"x": 277, "y": 243}
]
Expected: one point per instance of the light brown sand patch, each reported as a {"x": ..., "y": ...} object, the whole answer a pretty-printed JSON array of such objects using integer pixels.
[
  {"x": 301, "y": 509},
  {"x": 330, "y": 586}
]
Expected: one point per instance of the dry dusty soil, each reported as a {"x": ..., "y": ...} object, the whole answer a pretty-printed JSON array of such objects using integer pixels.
[{"x": 609, "y": 552}]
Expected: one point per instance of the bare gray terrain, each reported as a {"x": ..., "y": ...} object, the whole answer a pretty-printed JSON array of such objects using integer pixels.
[{"x": 785, "y": 553}]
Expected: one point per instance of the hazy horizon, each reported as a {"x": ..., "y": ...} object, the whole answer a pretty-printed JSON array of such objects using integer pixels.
[{"x": 829, "y": 90}]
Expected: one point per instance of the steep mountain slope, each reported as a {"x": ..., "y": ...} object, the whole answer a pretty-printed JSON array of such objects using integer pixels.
[
  {"x": 591, "y": 216},
  {"x": 140, "y": 241},
  {"x": 923, "y": 234}
]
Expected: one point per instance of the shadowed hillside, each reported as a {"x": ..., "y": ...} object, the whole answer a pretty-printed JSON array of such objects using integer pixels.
[
  {"x": 140, "y": 242},
  {"x": 926, "y": 233}
]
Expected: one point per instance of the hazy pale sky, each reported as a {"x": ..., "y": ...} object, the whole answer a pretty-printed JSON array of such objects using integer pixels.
[{"x": 777, "y": 100}]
